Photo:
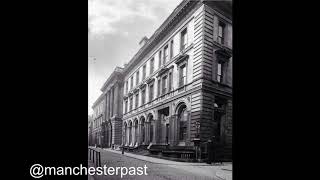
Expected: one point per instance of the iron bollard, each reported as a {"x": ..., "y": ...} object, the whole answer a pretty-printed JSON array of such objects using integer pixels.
[
  {"x": 93, "y": 157},
  {"x": 99, "y": 159}
]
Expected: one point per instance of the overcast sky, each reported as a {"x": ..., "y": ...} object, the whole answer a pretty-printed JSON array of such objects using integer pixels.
[{"x": 115, "y": 29}]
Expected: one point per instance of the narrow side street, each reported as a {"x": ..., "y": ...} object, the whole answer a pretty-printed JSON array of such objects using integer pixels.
[{"x": 159, "y": 169}]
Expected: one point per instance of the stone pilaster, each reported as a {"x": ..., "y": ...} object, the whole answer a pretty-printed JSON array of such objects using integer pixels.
[
  {"x": 115, "y": 99},
  {"x": 133, "y": 135},
  {"x": 147, "y": 133},
  {"x": 155, "y": 131}
]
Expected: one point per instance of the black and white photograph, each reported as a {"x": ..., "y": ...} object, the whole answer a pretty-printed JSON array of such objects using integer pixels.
[{"x": 160, "y": 96}]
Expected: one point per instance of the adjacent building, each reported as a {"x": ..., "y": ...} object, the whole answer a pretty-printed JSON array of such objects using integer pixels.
[
  {"x": 106, "y": 126},
  {"x": 98, "y": 117},
  {"x": 174, "y": 96},
  {"x": 177, "y": 93},
  {"x": 90, "y": 138},
  {"x": 112, "y": 124}
]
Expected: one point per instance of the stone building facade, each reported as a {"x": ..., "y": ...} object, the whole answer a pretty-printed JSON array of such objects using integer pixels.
[
  {"x": 105, "y": 129},
  {"x": 177, "y": 89},
  {"x": 113, "y": 93},
  {"x": 97, "y": 121},
  {"x": 90, "y": 138}
]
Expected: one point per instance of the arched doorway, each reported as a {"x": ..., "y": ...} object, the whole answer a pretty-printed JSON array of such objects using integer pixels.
[{"x": 182, "y": 115}]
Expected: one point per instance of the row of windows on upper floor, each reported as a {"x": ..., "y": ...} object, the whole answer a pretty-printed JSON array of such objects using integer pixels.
[
  {"x": 164, "y": 85},
  {"x": 163, "y": 58},
  {"x": 98, "y": 109},
  {"x": 168, "y": 55},
  {"x": 97, "y": 123}
]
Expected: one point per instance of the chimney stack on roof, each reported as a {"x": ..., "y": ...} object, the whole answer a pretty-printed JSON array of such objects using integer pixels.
[{"x": 143, "y": 41}]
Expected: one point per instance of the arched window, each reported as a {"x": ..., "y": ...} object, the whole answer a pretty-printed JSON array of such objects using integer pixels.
[{"x": 183, "y": 122}]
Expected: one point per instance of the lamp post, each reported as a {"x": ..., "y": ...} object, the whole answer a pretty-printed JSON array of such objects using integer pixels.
[{"x": 196, "y": 142}]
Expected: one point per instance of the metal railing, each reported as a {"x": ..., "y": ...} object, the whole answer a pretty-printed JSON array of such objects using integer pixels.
[{"x": 94, "y": 156}]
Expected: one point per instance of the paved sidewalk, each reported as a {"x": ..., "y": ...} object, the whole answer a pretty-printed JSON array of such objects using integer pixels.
[
  {"x": 223, "y": 171},
  {"x": 157, "y": 160}
]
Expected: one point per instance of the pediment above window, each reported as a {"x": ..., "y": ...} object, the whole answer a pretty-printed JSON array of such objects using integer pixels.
[
  {"x": 150, "y": 80},
  {"x": 182, "y": 58},
  {"x": 142, "y": 86},
  {"x": 162, "y": 71},
  {"x": 223, "y": 55}
]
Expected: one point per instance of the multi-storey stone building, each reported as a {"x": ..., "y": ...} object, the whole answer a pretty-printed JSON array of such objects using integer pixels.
[
  {"x": 90, "y": 139},
  {"x": 178, "y": 87},
  {"x": 113, "y": 93},
  {"x": 97, "y": 120}
]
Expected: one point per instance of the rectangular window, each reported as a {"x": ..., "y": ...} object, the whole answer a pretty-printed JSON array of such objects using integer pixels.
[
  {"x": 126, "y": 106},
  {"x": 126, "y": 86},
  {"x": 182, "y": 75},
  {"x": 221, "y": 33},
  {"x": 220, "y": 72},
  {"x": 170, "y": 81},
  {"x": 131, "y": 82},
  {"x": 159, "y": 87},
  {"x": 131, "y": 102},
  {"x": 137, "y": 77},
  {"x": 164, "y": 85},
  {"x": 151, "y": 65},
  {"x": 144, "y": 73},
  {"x": 171, "y": 49},
  {"x": 165, "y": 54},
  {"x": 184, "y": 39},
  {"x": 160, "y": 58},
  {"x": 151, "y": 90},
  {"x": 137, "y": 101},
  {"x": 143, "y": 98}
]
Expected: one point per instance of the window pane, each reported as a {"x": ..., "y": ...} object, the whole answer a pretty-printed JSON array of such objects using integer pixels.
[
  {"x": 171, "y": 49},
  {"x": 219, "y": 69},
  {"x": 220, "y": 32},
  {"x": 166, "y": 52},
  {"x": 137, "y": 78},
  {"x": 160, "y": 58},
  {"x": 151, "y": 65},
  {"x": 144, "y": 72},
  {"x": 184, "y": 71}
]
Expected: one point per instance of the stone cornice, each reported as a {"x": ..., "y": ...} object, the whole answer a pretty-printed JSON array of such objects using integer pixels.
[
  {"x": 180, "y": 11},
  {"x": 135, "y": 90},
  {"x": 100, "y": 98},
  {"x": 142, "y": 86},
  {"x": 150, "y": 80},
  {"x": 116, "y": 74}
]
